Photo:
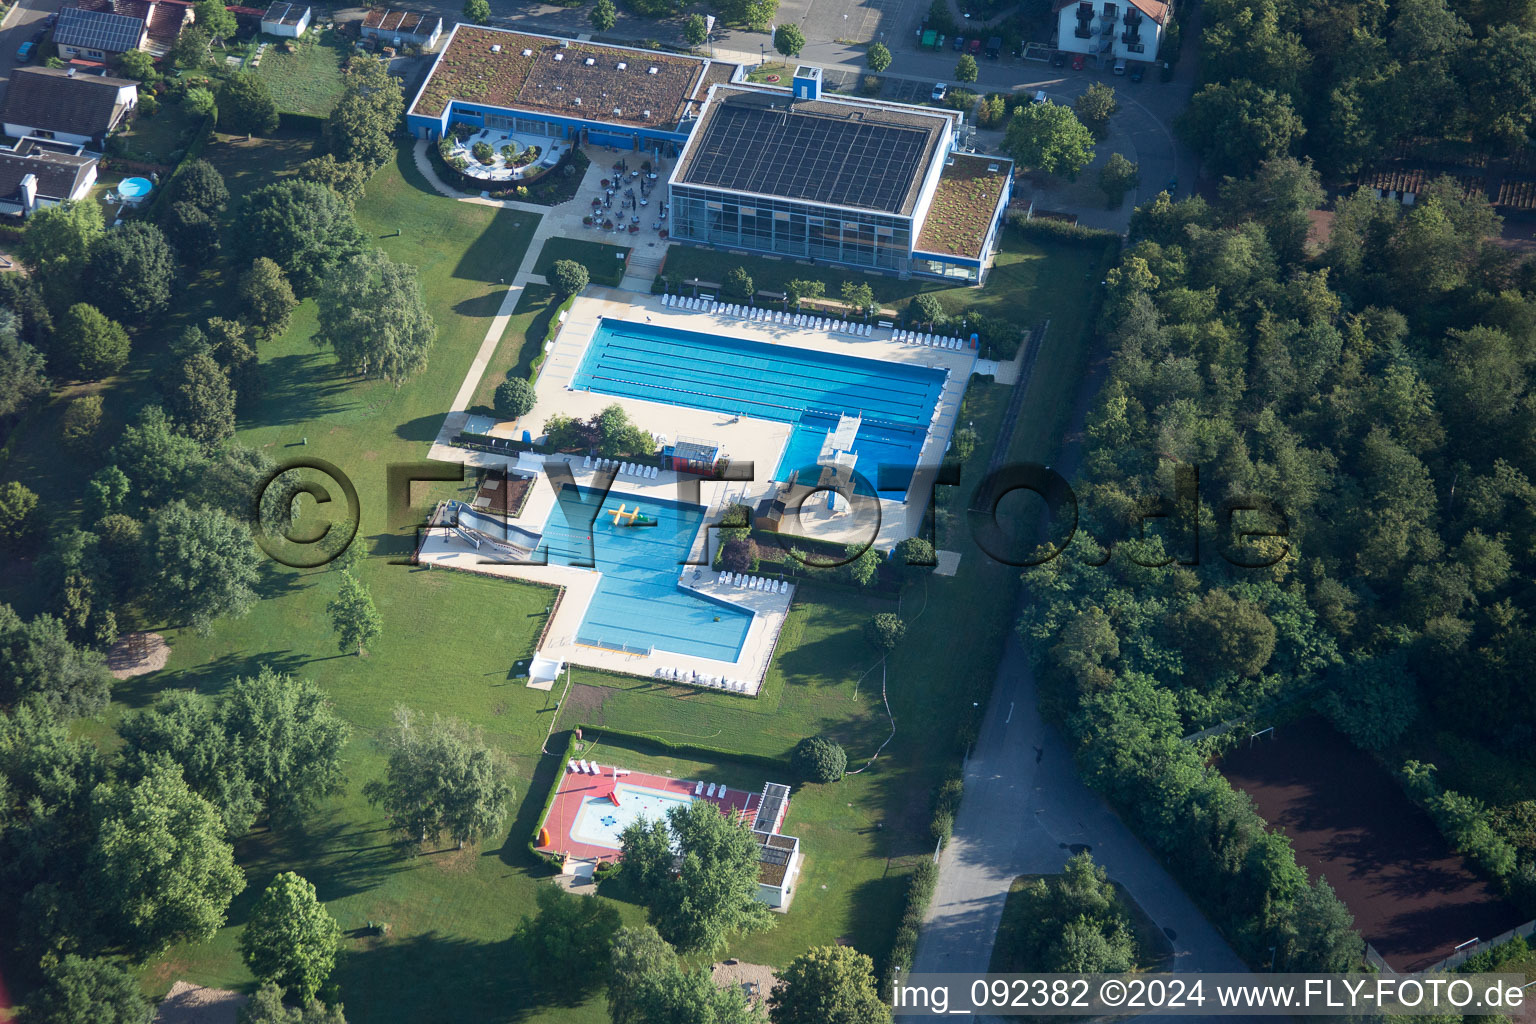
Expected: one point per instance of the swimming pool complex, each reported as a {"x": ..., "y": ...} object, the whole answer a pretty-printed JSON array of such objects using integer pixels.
[
  {"x": 806, "y": 388},
  {"x": 601, "y": 823},
  {"x": 638, "y": 603}
]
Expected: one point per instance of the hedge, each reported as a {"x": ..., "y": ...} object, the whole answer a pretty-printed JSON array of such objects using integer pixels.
[
  {"x": 696, "y": 751},
  {"x": 549, "y": 801},
  {"x": 1061, "y": 231},
  {"x": 919, "y": 893},
  {"x": 194, "y": 151}
]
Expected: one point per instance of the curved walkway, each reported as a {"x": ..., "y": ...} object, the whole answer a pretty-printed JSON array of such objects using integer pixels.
[{"x": 424, "y": 165}]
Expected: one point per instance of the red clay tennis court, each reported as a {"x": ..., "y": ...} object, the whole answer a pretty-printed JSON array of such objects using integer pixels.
[
  {"x": 585, "y": 820},
  {"x": 1412, "y": 897}
]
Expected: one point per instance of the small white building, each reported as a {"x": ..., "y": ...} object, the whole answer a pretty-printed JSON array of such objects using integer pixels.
[
  {"x": 402, "y": 28},
  {"x": 1112, "y": 30},
  {"x": 778, "y": 855},
  {"x": 286, "y": 20}
]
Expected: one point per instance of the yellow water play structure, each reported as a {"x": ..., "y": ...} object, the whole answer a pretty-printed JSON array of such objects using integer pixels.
[{"x": 626, "y": 516}]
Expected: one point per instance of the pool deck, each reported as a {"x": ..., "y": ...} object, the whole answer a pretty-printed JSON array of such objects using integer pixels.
[
  {"x": 577, "y": 787},
  {"x": 760, "y": 442},
  {"x": 443, "y": 549}
]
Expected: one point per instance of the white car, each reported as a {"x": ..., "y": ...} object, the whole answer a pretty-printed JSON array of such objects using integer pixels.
[{"x": 939, "y": 91}]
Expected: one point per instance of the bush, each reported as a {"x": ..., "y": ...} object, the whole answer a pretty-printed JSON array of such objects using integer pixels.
[
  {"x": 963, "y": 445},
  {"x": 739, "y": 556},
  {"x": 738, "y": 284},
  {"x": 514, "y": 398},
  {"x": 568, "y": 277},
  {"x": 941, "y": 827},
  {"x": 885, "y": 631},
  {"x": 82, "y": 418},
  {"x": 914, "y": 557},
  {"x": 819, "y": 760},
  {"x": 18, "y": 512}
]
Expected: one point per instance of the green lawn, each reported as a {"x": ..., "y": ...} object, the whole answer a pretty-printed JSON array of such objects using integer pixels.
[
  {"x": 521, "y": 346},
  {"x": 158, "y": 138},
  {"x": 602, "y": 261},
  {"x": 309, "y": 80}
]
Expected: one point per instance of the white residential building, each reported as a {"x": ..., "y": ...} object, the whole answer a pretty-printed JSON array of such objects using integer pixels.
[{"x": 1112, "y": 29}]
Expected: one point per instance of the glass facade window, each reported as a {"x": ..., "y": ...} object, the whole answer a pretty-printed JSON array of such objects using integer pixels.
[{"x": 791, "y": 228}]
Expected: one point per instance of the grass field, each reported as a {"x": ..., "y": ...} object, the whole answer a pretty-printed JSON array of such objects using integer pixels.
[
  {"x": 309, "y": 80},
  {"x": 521, "y": 345},
  {"x": 602, "y": 261},
  {"x": 160, "y": 138}
]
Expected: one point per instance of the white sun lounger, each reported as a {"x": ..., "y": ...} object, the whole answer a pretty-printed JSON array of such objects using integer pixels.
[
  {"x": 698, "y": 787},
  {"x": 711, "y": 790},
  {"x": 570, "y": 765}
]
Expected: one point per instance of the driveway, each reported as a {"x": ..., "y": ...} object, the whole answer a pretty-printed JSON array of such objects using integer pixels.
[{"x": 20, "y": 24}]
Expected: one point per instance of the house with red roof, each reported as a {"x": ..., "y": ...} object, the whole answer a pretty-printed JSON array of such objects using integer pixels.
[{"x": 1112, "y": 30}]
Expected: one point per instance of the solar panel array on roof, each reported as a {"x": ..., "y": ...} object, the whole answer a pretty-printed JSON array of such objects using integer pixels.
[
  {"x": 97, "y": 30},
  {"x": 772, "y": 803},
  {"x": 801, "y": 154}
]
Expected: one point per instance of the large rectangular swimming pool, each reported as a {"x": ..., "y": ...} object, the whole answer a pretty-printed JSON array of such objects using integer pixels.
[
  {"x": 638, "y": 603},
  {"x": 774, "y": 382}
]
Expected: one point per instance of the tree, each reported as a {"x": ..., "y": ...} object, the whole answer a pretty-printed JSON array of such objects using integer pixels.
[
  {"x": 604, "y": 16},
  {"x": 305, "y": 228},
  {"x": 159, "y": 461},
  {"x": 200, "y": 102},
  {"x": 202, "y": 401},
  {"x": 82, "y": 418},
  {"x": 647, "y": 985},
  {"x": 21, "y": 369},
  {"x": 739, "y": 554},
  {"x": 1321, "y": 934},
  {"x": 885, "y": 631},
  {"x": 372, "y": 315},
  {"x": 1237, "y": 125},
  {"x": 56, "y": 248},
  {"x": 1048, "y": 137},
  {"x": 200, "y": 184},
  {"x": 93, "y": 346},
  {"x": 266, "y": 298},
  {"x": 714, "y": 894},
  {"x": 738, "y": 283},
  {"x": 828, "y": 985},
  {"x": 353, "y": 616},
  {"x": 190, "y": 50},
  {"x": 878, "y": 57},
  {"x": 859, "y": 295},
  {"x": 1221, "y": 633},
  {"x": 863, "y": 565},
  {"x": 97, "y": 990},
  {"x": 966, "y": 69},
  {"x": 568, "y": 277},
  {"x": 214, "y": 18},
  {"x": 200, "y": 564},
  {"x": 157, "y": 863},
  {"x": 347, "y": 178},
  {"x": 789, "y": 40},
  {"x": 290, "y": 939},
  {"x": 193, "y": 233},
  {"x": 798, "y": 290},
  {"x": 915, "y": 557},
  {"x": 289, "y": 738},
  {"x": 695, "y": 30},
  {"x": 362, "y": 125},
  {"x": 514, "y": 398},
  {"x": 1095, "y": 106},
  {"x": 245, "y": 105},
  {"x": 18, "y": 512},
  {"x": 1117, "y": 177},
  {"x": 568, "y": 944},
  {"x": 441, "y": 779},
  {"x": 963, "y": 445},
  {"x": 266, "y": 1007},
  {"x": 131, "y": 272},
  {"x": 477, "y": 12},
  {"x": 818, "y": 759},
  {"x": 188, "y": 730},
  {"x": 106, "y": 492},
  {"x": 137, "y": 65},
  {"x": 927, "y": 309}
]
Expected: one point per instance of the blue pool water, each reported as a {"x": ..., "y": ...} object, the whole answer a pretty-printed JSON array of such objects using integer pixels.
[
  {"x": 638, "y": 602},
  {"x": 600, "y": 823},
  {"x": 773, "y": 382}
]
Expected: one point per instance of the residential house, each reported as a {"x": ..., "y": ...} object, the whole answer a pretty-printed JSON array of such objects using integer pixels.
[
  {"x": 402, "y": 28},
  {"x": 101, "y": 29},
  {"x": 61, "y": 105},
  {"x": 1112, "y": 30},
  {"x": 286, "y": 20},
  {"x": 36, "y": 173}
]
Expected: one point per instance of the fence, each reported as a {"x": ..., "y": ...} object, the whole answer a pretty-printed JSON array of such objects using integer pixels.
[
  {"x": 1467, "y": 952},
  {"x": 614, "y": 645}
]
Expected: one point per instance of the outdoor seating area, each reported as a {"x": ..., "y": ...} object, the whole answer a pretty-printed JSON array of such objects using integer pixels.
[
  {"x": 630, "y": 188},
  {"x": 692, "y": 678},
  {"x": 623, "y": 469},
  {"x": 509, "y": 155},
  {"x": 930, "y": 340},
  {"x": 805, "y": 321}
]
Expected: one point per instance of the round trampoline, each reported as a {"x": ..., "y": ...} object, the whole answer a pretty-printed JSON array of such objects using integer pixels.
[{"x": 134, "y": 190}]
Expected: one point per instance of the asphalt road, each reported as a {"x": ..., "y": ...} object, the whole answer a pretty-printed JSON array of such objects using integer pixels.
[{"x": 22, "y": 22}]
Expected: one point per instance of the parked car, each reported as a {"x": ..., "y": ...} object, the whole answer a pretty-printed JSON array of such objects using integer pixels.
[
  {"x": 1138, "y": 72},
  {"x": 959, "y": 43},
  {"x": 975, "y": 46},
  {"x": 25, "y": 51},
  {"x": 994, "y": 47},
  {"x": 940, "y": 90},
  {"x": 1039, "y": 97},
  {"x": 1059, "y": 59},
  {"x": 1119, "y": 67},
  {"x": 1078, "y": 60}
]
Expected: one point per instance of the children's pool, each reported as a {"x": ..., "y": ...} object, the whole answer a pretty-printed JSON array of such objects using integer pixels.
[{"x": 600, "y": 822}]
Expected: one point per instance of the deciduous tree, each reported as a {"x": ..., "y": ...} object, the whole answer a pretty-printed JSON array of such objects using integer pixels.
[
  {"x": 354, "y": 618},
  {"x": 441, "y": 779},
  {"x": 878, "y": 57},
  {"x": 604, "y": 16},
  {"x": 289, "y": 738},
  {"x": 246, "y": 106},
  {"x": 303, "y": 227},
  {"x": 695, "y": 30},
  {"x": 828, "y": 985},
  {"x": 95, "y": 990},
  {"x": 290, "y": 939},
  {"x": 361, "y": 126},
  {"x": 1048, "y": 137},
  {"x": 514, "y": 397},
  {"x": 266, "y": 1007},
  {"x": 966, "y": 69},
  {"x": 1117, "y": 177},
  {"x": 477, "y": 12},
  {"x": 188, "y": 730},
  {"x": 132, "y": 270},
  {"x": 200, "y": 564},
  {"x": 568, "y": 276},
  {"x": 200, "y": 184},
  {"x": 266, "y": 298},
  {"x": 372, "y": 315},
  {"x": 1095, "y": 106},
  {"x": 202, "y": 400},
  {"x": 789, "y": 40},
  {"x": 57, "y": 245}
]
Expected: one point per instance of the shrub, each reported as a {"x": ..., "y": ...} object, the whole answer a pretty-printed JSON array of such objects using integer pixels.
[
  {"x": 18, "y": 511},
  {"x": 568, "y": 277},
  {"x": 963, "y": 445},
  {"x": 738, "y": 283},
  {"x": 514, "y": 398},
  {"x": 915, "y": 556},
  {"x": 739, "y": 556},
  {"x": 885, "y": 631},
  {"x": 816, "y": 759},
  {"x": 82, "y": 418},
  {"x": 483, "y": 152}
]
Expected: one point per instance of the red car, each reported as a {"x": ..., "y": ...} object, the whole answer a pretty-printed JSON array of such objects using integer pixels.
[{"x": 1077, "y": 62}]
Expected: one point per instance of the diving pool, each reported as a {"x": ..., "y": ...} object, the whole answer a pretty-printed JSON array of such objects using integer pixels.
[
  {"x": 805, "y": 388},
  {"x": 638, "y": 603},
  {"x": 601, "y": 823}
]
